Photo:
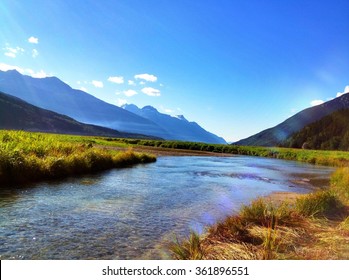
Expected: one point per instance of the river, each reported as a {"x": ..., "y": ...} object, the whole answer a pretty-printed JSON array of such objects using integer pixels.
[{"x": 133, "y": 213}]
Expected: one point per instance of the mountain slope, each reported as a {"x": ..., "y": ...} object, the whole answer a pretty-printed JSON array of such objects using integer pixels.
[
  {"x": 329, "y": 133},
  {"x": 277, "y": 134},
  {"x": 177, "y": 127},
  {"x": 52, "y": 94},
  {"x": 20, "y": 115}
]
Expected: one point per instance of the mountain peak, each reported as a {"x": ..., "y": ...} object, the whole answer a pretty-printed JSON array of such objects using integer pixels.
[
  {"x": 129, "y": 107},
  {"x": 150, "y": 108}
]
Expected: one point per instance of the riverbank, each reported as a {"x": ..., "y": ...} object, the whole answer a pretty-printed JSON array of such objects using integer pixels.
[
  {"x": 161, "y": 152},
  {"x": 320, "y": 157},
  {"x": 27, "y": 157},
  {"x": 281, "y": 226}
]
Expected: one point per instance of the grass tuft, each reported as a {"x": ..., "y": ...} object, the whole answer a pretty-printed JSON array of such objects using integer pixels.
[
  {"x": 189, "y": 249},
  {"x": 321, "y": 203}
]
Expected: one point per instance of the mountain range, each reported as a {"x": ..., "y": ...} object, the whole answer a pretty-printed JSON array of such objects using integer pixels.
[
  {"x": 176, "y": 126},
  {"x": 19, "y": 115},
  {"x": 52, "y": 94},
  {"x": 276, "y": 135}
]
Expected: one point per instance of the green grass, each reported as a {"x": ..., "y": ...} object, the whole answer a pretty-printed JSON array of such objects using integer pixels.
[
  {"x": 329, "y": 158},
  {"x": 27, "y": 157},
  {"x": 340, "y": 183},
  {"x": 317, "y": 204}
]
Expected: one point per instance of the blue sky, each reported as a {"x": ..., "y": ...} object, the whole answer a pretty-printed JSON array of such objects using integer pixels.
[{"x": 235, "y": 67}]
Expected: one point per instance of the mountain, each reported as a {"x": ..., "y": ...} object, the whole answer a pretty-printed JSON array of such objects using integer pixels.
[
  {"x": 178, "y": 128},
  {"x": 277, "y": 134},
  {"x": 20, "y": 115},
  {"x": 52, "y": 94},
  {"x": 329, "y": 133}
]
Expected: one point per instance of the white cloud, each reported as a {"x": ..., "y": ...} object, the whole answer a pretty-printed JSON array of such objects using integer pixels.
[
  {"x": 35, "y": 53},
  {"x": 12, "y": 52},
  {"x": 97, "y": 84},
  {"x": 166, "y": 110},
  {"x": 146, "y": 77},
  {"x": 346, "y": 90},
  {"x": 151, "y": 91},
  {"x": 131, "y": 83},
  {"x": 121, "y": 101},
  {"x": 33, "y": 40},
  {"x": 30, "y": 72},
  {"x": 130, "y": 92},
  {"x": 116, "y": 79},
  {"x": 142, "y": 83},
  {"x": 83, "y": 89},
  {"x": 40, "y": 74},
  {"x": 316, "y": 102},
  {"x": 6, "y": 67}
]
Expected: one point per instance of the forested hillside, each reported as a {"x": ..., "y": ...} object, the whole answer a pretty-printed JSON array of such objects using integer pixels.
[{"x": 328, "y": 133}]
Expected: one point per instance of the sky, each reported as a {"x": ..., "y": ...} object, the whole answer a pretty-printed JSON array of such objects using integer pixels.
[{"x": 235, "y": 67}]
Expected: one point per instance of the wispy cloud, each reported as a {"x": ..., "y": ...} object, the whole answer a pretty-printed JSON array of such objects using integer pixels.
[
  {"x": 146, "y": 77},
  {"x": 116, "y": 79},
  {"x": 10, "y": 54},
  {"x": 13, "y": 52},
  {"x": 35, "y": 53},
  {"x": 97, "y": 84},
  {"x": 346, "y": 90},
  {"x": 33, "y": 40},
  {"x": 166, "y": 110},
  {"x": 131, "y": 83},
  {"x": 130, "y": 92},
  {"x": 121, "y": 101},
  {"x": 151, "y": 91},
  {"x": 316, "y": 102},
  {"x": 83, "y": 89}
]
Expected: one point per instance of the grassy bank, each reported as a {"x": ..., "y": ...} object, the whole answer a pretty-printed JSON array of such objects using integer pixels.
[
  {"x": 27, "y": 157},
  {"x": 329, "y": 158},
  {"x": 314, "y": 226}
]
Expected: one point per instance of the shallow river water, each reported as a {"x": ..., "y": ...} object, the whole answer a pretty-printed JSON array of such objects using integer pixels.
[{"x": 133, "y": 213}]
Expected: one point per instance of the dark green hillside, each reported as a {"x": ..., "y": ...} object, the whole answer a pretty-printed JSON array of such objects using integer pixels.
[
  {"x": 329, "y": 133},
  {"x": 278, "y": 134},
  {"x": 17, "y": 114}
]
